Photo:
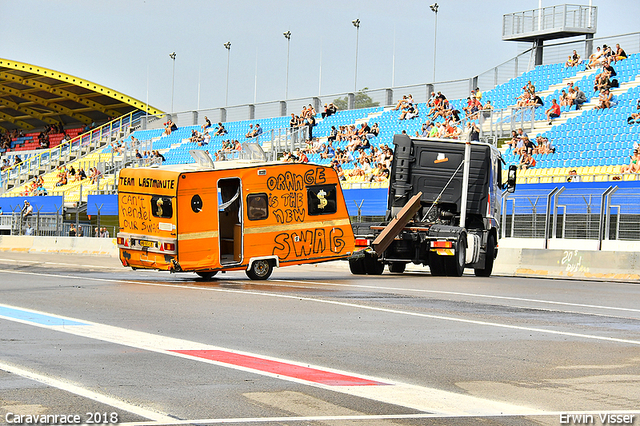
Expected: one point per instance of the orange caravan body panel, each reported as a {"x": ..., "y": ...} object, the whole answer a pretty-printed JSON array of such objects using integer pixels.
[{"x": 180, "y": 218}]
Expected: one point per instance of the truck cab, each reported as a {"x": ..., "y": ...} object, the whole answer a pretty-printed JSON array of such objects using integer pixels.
[{"x": 443, "y": 209}]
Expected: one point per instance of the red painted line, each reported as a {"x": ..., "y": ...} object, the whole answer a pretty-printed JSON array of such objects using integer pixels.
[{"x": 282, "y": 368}]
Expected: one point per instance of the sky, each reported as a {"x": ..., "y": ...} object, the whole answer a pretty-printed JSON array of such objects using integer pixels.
[{"x": 125, "y": 44}]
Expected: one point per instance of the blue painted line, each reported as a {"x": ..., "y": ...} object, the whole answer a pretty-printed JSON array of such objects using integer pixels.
[{"x": 42, "y": 319}]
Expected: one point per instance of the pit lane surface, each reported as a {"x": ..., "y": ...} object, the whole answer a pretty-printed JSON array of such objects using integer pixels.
[{"x": 313, "y": 345}]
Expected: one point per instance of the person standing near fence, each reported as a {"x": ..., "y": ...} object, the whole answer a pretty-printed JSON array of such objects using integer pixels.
[{"x": 27, "y": 211}]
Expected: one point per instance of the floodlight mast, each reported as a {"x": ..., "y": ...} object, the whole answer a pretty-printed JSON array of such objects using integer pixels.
[
  {"x": 227, "y": 46},
  {"x": 173, "y": 77},
  {"x": 356, "y": 23},
  {"x": 287, "y": 35},
  {"x": 434, "y": 9}
]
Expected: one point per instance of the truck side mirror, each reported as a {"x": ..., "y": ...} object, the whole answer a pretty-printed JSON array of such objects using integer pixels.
[{"x": 511, "y": 179}]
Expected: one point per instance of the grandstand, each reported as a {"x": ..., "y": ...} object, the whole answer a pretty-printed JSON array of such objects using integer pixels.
[{"x": 594, "y": 142}]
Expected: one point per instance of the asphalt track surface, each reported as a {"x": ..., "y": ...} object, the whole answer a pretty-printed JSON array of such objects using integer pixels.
[{"x": 314, "y": 345}]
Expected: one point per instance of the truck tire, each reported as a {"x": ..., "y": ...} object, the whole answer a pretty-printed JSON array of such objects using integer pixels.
[
  {"x": 356, "y": 266},
  {"x": 436, "y": 264},
  {"x": 489, "y": 258},
  {"x": 397, "y": 267},
  {"x": 260, "y": 270},
  {"x": 454, "y": 265},
  {"x": 207, "y": 275},
  {"x": 372, "y": 266}
]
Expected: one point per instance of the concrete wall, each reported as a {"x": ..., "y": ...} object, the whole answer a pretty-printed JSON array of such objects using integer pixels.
[
  {"x": 517, "y": 257},
  {"x": 70, "y": 245}
]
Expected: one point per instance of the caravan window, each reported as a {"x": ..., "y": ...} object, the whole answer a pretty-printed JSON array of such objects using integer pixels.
[
  {"x": 257, "y": 207},
  {"x": 321, "y": 199},
  {"x": 162, "y": 207}
]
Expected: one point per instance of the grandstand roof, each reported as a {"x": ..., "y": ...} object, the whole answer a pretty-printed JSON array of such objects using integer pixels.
[{"x": 32, "y": 97}]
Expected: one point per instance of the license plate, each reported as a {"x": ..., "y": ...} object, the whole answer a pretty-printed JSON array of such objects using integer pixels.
[{"x": 144, "y": 243}]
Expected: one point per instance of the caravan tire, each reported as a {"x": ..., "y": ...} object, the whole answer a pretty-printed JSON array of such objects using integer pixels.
[
  {"x": 207, "y": 275},
  {"x": 260, "y": 269}
]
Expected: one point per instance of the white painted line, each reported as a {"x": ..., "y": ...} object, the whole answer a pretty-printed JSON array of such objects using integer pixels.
[
  {"x": 350, "y": 305},
  {"x": 374, "y": 417},
  {"x": 86, "y": 393},
  {"x": 455, "y": 293},
  {"x": 393, "y": 392}
]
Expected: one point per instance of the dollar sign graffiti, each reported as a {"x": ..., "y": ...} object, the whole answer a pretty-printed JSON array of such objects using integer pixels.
[{"x": 323, "y": 201}]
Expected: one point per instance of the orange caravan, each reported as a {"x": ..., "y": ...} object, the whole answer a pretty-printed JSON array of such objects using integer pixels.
[{"x": 231, "y": 215}]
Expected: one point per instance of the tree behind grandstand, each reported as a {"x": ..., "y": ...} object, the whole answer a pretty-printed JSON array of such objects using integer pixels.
[{"x": 362, "y": 100}]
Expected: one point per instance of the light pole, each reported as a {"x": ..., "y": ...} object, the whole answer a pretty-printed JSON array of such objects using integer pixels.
[
  {"x": 356, "y": 23},
  {"x": 173, "y": 78},
  {"x": 434, "y": 9},
  {"x": 227, "y": 46},
  {"x": 287, "y": 35}
]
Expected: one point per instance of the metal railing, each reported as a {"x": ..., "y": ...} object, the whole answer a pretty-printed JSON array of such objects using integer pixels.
[
  {"x": 611, "y": 213},
  {"x": 49, "y": 159},
  {"x": 560, "y": 18}
]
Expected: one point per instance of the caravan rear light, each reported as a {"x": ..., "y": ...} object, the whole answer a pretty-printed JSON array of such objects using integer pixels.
[
  {"x": 120, "y": 241},
  {"x": 441, "y": 244},
  {"x": 362, "y": 242},
  {"x": 168, "y": 246}
]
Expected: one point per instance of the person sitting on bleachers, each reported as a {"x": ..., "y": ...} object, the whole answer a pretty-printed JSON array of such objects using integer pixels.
[
  {"x": 220, "y": 131},
  {"x": 410, "y": 111},
  {"x": 63, "y": 179},
  {"x": 564, "y": 99},
  {"x": 329, "y": 110},
  {"x": 580, "y": 98},
  {"x": 635, "y": 116},
  {"x": 527, "y": 162},
  {"x": 595, "y": 59},
  {"x": 205, "y": 141},
  {"x": 620, "y": 54},
  {"x": 169, "y": 127},
  {"x": 604, "y": 99},
  {"x": 80, "y": 175},
  {"x": 602, "y": 82},
  {"x": 329, "y": 152},
  {"x": 573, "y": 60},
  {"x": 523, "y": 100},
  {"x": 634, "y": 165},
  {"x": 249, "y": 133},
  {"x": 513, "y": 142},
  {"x": 553, "y": 111},
  {"x": 529, "y": 88},
  {"x": 406, "y": 100},
  {"x": 573, "y": 176},
  {"x": 207, "y": 123}
]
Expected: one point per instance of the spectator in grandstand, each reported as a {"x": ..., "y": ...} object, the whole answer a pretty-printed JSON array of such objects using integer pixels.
[
  {"x": 81, "y": 175},
  {"x": 564, "y": 99},
  {"x": 553, "y": 111},
  {"x": 63, "y": 179},
  {"x": 523, "y": 100},
  {"x": 544, "y": 146},
  {"x": 513, "y": 142},
  {"x": 529, "y": 88},
  {"x": 329, "y": 110},
  {"x": 27, "y": 210},
  {"x": 104, "y": 233},
  {"x": 17, "y": 160},
  {"x": 205, "y": 141},
  {"x": 409, "y": 111},
  {"x": 220, "y": 131},
  {"x": 620, "y": 54},
  {"x": 249, "y": 133},
  {"x": 527, "y": 162},
  {"x": 169, "y": 127},
  {"x": 474, "y": 135},
  {"x": 580, "y": 98},
  {"x": 433, "y": 133},
  {"x": 595, "y": 59},
  {"x": 601, "y": 82},
  {"x": 401, "y": 103},
  {"x": 207, "y": 123},
  {"x": 634, "y": 164},
  {"x": 635, "y": 116},
  {"x": 573, "y": 176},
  {"x": 138, "y": 155},
  {"x": 374, "y": 131},
  {"x": 72, "y": 230},
  {"x": 257, "y": 131},
  {"x": 604, "y": 99},
  {"x": 5, "y": 164}
]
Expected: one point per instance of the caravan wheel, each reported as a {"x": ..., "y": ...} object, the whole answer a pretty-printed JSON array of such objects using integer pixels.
[{"x": 260, "y": 270}]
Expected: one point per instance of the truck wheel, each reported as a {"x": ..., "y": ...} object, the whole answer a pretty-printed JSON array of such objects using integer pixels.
[
  {"x": 436, "y": 264},
  {"x": 356, "y": 266},
  {"x": 260, "y": 270},
  {"x": 489, "y": 258},
  {"x": 207, "y": 275},
  {"x": 397, "y": 267},
  {"x": 454, "y": 265},
  {"x": 372, "y": 266}
]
